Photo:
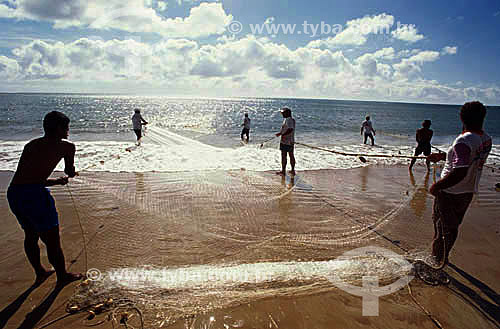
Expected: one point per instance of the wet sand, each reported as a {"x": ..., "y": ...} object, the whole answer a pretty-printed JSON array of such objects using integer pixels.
[{"x": 239, "y": 217}]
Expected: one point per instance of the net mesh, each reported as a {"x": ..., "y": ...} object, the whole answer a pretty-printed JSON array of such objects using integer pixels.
[
  {"x": 139, "y": 225},
  {"x": 169, "y": 245}
]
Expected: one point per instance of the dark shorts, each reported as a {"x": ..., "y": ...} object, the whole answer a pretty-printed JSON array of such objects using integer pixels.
[
  {"x": 33, "y": 206},
  {"x": 286, "y": 148},
  {"x": 245, "y": 131},
  {"x": 450, "y": 209},
  {"x": 423, "y": 148},
  {"x": 138, "y": 133}
]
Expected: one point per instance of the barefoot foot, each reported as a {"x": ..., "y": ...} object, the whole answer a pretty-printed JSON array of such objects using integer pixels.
[
  {"x": 42, "y": 276},
  {"x": 68, "y": 278}
]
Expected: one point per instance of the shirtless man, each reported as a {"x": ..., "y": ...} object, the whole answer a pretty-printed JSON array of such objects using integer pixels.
[
  {"x": 137, "y": 123},
  {"x": 423, "y": 136},
  {"x": 246, "y": 128},
  {"x": 31, "y": 202}
]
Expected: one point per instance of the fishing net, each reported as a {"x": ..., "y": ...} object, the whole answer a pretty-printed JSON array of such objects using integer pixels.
[{"x": 166, "y": 245}]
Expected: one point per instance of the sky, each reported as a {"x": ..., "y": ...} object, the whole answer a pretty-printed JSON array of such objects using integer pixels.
[{"x": 410, "y": 51}]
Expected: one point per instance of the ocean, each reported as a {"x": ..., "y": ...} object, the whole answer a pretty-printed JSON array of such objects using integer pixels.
[{"x": 203, "y": 134}]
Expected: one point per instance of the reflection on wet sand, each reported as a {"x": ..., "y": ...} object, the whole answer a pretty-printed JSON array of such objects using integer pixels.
[
  {"x": 285, "y": 201},
  {"x": 242, "y": 221},
  {"x": 364, "y": 178},
  {"x": 419, "y": 201}
]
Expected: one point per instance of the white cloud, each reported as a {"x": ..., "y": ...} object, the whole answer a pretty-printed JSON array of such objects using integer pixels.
[
  {"x": 203, "y": 20},
  {"x": 237, "y": 66},
  {"x": 382, "y": 54},
  {"x": 423, "y": 56},
  {"x": 7, "y": 12},
  {"x": 385, "y": 53},
  {"x": 137, "y": 16},
  {"x": 162, "y": 5},
  {"x": 407, "y": 32},
  {"x": 9, "y": 68},
  {"x": 449, "y": 50},
  {"x": 180, "y": 2},
  {"x": 269, "y": 20},
  {"x": 408, "y": 52},
  {"x": 357, "y": 31},
  {"x": 410, "y": 68},
  {"x": 368, "y": 64}
]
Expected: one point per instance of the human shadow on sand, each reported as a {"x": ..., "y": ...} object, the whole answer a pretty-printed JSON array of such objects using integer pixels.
[
  {"x": 13, "y": 307},
  {"x": 484, "y": 306},
  {"x": 33, "y": 317}
]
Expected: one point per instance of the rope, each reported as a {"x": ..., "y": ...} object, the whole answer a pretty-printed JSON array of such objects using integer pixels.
[
  {"x": 370, "y": 227},
  {"x": 487, "y": 166},
  {"x": 81, "y": 228},
  {"x": 434, "y": 320},
  {"x": 361, "y": 154},
  {"x": 486, "y": 316},
  {"x": 100, "y": 309}
]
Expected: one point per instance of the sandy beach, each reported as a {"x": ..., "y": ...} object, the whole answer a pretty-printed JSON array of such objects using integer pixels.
[{"x": 216, "y": 219}]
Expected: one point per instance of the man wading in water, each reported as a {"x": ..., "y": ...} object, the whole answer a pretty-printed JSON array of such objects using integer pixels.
[
  {"x": 423, "y": 136},
  {"x": 287, "y": 142},
  {"x": 137, "y": 123}
]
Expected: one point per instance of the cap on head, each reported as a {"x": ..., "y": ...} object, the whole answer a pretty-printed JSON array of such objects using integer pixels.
[
  {"x": 286, "y": 112},
  {"x": 137, "y": 111},
  {"x": 426, "y": 123}
]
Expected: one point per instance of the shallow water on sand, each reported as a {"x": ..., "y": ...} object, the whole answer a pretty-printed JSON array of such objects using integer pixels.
[
  {"x": 185, "y": 244},
  {"x": 202, "y": 240}
]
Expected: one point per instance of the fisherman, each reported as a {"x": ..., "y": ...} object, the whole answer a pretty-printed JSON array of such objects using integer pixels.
[
  {"x": 459, "y": 179},
  {"x": 287, "y": 133},
  {"x": 367, "y": 129},
  {"x": 137, "y": 123},
  {"x": 246, "y": 128},
  {"x": 423, "y": 136},
  {"x": 30, "y": 199}
]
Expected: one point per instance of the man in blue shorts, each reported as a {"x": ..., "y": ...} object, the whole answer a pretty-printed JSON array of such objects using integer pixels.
[
  {"x": 287, "y": 133},
  {"x": 31, "y": 202},
  {"x": 423, "y": 137}
]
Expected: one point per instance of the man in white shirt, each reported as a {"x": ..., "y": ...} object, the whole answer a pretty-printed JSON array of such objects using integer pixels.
[
  {"x": 246, "y": 128},
  {"x": 287, "y": 133},
  {"x": 137, "y": 122},
  {"x": 367, "y": 129},
  {"x": 459, "y": 179}
]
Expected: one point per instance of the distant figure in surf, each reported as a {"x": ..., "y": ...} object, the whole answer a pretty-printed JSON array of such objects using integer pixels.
[
  {"x": 423, "y": 136},
  {"x": 31, "y": 202},
  {"x": 367, "y": 130},
  {"x": 246, "y": 128},
  {"x": 459, "y": 179},
  {"x": 137, "y": 123},
  {"x": 287, "y": 133}
]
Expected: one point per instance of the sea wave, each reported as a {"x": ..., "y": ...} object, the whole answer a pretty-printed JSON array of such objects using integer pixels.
[{"x": 163, "y": 150}]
